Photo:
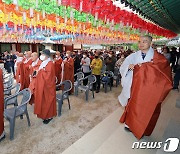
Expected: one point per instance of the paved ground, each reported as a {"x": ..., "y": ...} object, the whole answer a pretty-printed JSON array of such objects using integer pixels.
[
  {"x": 62, "y": 131},
  {"x": 109, "y": 136}
]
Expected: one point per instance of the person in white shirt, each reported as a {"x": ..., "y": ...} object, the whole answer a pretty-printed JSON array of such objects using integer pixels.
[
  {"x": 19, "y": 59},
  {"x": 85, "y": 62}
]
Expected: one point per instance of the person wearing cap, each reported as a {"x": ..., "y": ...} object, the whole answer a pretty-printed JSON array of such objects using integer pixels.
[
  {"x": 68, "y": 69},
  {"x": 57, "y": 63},
  {"x": 33, "y": 68},
  {"x": 44, "y": 89},
  {"x": 2, "y": 133}
]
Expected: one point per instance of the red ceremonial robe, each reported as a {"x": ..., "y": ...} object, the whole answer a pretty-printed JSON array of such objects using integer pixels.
[
  {"x": 34, "y": 68},
  {"x": 45, "y": 92},
  {"x": 152, "y": 82},
  {"x": 20, "y": 74},
  {"x": 69, "y": 71},
  {"x": 1, "y": 103},
  {"x": 58, "y": 69},
  {"x": 26, "y": 72},
  {"x": 32, "y": 83}
]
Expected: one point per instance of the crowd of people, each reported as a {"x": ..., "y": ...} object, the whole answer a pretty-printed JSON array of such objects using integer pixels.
[
  {"x": 41, "y": 72},
  {"x": 173, "y": 56},
  {"x": 87, "y": 61},
  {"x": 81, "y": 60},
  {"x": 51, "y": 69}
]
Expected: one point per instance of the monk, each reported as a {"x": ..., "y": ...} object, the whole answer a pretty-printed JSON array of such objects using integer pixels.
[
  {"x": 33, "y": 68},
  {"x": 45, "y": 89},
  {"x": 68, "y": 69},
  {"x": 57, "y": 62},
  {"x": 2, "y": 133},
  {"x": 26, "y": 69},
  {"x": 146, "y": 81},
  {"x": 18, "y": 67}
]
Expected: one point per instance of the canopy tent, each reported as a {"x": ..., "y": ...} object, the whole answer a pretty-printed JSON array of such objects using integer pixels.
[
  {"x": 174, "y": 42},
  {"x": 165, "y": 13}
]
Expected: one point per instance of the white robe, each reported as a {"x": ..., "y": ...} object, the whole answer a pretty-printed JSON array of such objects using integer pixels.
[
  {"x": 19, "y": 59},
  {"x": 127, "y": 76},
  {"x": 34, "y": 63}
]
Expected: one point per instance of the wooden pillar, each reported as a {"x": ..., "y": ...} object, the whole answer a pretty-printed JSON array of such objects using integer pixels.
[
  {"x": 18, "y": 47},
  {"x": 37, "y": 48},
  {"x": 68, "y": 47},
  {"x": 13, "y": 46},
  {"x": 34, "y": 47},
  {"x": 30, "y": 47}
]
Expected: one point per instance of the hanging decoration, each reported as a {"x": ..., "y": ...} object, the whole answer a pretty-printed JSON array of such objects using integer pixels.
[{"x": 86, "y": 21}]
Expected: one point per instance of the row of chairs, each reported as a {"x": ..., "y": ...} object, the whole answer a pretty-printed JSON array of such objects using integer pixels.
[
  {"x": 78, "y": 84},
  {"x": 66, "y": 87},
  {"x": 11, "y": 95},
  {"x": 19, "y": 100},
  {"x": 108, "y": 75},
  {"x": 20, "y": 108}
]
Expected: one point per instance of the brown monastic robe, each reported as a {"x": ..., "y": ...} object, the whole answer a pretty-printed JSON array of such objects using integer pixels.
[
  {"x": 45, "y": 92},
  {"x": 152, "y": 82},
  {"x": 1, "y": 103},
  {"x": 69, "y": 71},
  {"x": 26, "y": 71},
  {"x": 58, "y": 69},
  {"x": 32, "y": 80}
]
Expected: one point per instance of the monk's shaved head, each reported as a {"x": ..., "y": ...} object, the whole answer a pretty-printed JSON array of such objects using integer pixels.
[
  {"x": 34, "y": 56},
  {"x": 148, "y": 37},
  {"x": 145, "y": 43},
  {"x": 28, "y": 54},
  {"x": 68, "y": 52},
  {"x": 20, "y": 54},
  {"x": 58, "y": 53}
]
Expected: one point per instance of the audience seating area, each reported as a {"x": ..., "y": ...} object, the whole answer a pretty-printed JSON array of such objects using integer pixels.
[{"x": 15, "y": 101}]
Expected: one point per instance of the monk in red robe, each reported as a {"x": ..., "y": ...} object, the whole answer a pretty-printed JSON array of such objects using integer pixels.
[
  {"x": 33, "y": 68},
  {"x": 18, "y": 68},
  {"x": 151, "y": 78},
  {"x": 26, "y": 69},
  {"x": 45, "y": 89},
  {"x": 2, "y": 133},
  {"x": 57, "y": 62},
  {"x": 68, "y": 68}
]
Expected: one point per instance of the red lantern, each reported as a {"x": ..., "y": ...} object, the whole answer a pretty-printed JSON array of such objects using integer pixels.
[
  {"x": 88, "y": 5},
  {"x": 1, "y": 24},
  {"x": 65, "y": 2},
  {"x": 99, "y": 4},
  {"x": 75, "y": 4},
  {"x": 10, "y": 24}
]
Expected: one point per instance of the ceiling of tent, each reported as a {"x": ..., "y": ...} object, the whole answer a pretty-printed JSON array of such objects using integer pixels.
[{"x": 165, "y": 13}]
